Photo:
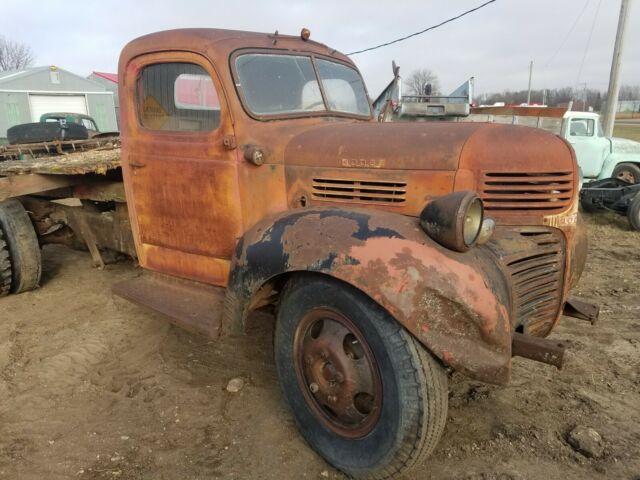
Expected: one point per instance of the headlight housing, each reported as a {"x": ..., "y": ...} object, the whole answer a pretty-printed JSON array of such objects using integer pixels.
[{"x": 456, "y": 221}]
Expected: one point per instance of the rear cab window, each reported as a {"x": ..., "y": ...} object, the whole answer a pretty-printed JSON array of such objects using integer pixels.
[
  {"x": 582, "y": 127},
  {"x": 179, "y": 97}
]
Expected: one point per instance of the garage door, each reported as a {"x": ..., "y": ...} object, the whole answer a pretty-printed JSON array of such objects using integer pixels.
[{"x": 56, "y": 103}]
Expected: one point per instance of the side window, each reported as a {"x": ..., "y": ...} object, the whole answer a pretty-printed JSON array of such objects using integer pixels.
[
  {"x": 177, "y": 97},
  {"x": 582, "y": 127},
  {"x": 88, "y": 124}
]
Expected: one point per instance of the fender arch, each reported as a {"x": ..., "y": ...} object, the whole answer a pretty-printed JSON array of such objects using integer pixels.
[
  {"x": 615, "y": 159},
  {"x": 455, "y": 304}
]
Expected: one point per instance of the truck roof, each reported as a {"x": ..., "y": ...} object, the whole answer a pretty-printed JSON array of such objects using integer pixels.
[
  {"x": 218, "y": 44},
  {"x": 581, "y": 114}
]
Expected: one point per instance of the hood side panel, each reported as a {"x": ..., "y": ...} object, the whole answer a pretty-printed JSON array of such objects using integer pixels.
[{"x": 393, "y": 146}]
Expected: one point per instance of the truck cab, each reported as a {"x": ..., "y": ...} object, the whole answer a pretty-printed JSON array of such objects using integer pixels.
[
  {"x": 80, "y": 119},
  {"x": 257, "y": 178},
  {"x": 599, "y": 156}
]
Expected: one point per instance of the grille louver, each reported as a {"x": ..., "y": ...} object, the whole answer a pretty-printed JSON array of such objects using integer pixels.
[
  {"x": 546, "y": 192},
  {"x": 537, "y": 277},
  {"x": 360, "y": 191}
]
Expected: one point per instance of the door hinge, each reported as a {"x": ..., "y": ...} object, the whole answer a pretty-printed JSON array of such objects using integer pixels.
[{"x": 229, "y": 142}]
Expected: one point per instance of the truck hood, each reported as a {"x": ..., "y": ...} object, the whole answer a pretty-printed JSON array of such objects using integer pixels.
[
  {"x": 397, "y": 146},
  {"x": 422, "y": 146},
  {"x": 624, "y": 146},
  {"x": 402, "y": 165}
]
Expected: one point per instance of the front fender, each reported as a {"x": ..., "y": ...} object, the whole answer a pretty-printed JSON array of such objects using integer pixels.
[
  {"x": 613, "y": 160},
  {"x": 456, "y": 304}
]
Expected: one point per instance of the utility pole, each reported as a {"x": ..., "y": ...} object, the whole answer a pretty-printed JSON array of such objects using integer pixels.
[
  {"x": 614, "y": 81},
  {"x": 530, "y": 74}
]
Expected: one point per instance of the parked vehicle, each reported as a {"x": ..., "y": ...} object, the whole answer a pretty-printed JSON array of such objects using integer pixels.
[
  {"x": 76, "y": 118},
  {"x": 598, "y": 156},
  {"x": 56, "y": 126},
  {"x": 257, "y": 178},
  {"x": 39, "y": 132}
]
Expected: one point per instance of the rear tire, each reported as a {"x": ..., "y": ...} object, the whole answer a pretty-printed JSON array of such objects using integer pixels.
[
  {"x": 5, "y": 267},
  {"x": 45, "y": 132},
  {"x": 398, "y": 414},
  {"x": 23, "y": 247},
  {"x": 633, "y": 214},
  {"x": 627, "y": 172}
]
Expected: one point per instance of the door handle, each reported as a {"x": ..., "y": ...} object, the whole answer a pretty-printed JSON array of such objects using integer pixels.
[{"x": 137, "y": 165}]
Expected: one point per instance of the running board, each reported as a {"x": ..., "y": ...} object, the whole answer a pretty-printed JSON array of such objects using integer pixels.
[{"x": 191, "y": 305}]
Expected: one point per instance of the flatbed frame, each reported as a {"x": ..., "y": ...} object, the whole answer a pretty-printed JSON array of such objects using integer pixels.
[{"x": 75, "y": 184}]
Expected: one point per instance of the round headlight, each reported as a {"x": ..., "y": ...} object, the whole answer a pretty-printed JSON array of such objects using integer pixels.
[
  {"x": 472, "y": 221},
  {"x": 454, "y": 220}
]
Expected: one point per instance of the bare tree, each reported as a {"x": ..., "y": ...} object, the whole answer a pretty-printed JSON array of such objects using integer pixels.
[
  {"x": 14, "y": 55},
  {"x": 418, "y": 82},
  {"x": 629, "y": 92}
]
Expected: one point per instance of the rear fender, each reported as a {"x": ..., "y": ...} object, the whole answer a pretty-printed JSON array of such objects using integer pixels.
[{"x": 455, "y": 304}]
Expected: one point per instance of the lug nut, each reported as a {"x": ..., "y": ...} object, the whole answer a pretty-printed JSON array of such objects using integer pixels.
[
  {"x": 314, "y": 387},
  {"x": 324, "y": 355},
  {"x": 339, "y": 377},
  {"x": 308, "y": 360}
]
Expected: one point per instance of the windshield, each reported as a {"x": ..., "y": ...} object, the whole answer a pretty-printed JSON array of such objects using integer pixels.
[{"x": 275, "y": 84}]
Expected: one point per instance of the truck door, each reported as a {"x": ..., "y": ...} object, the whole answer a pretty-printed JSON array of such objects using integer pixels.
[
  {"x": 590, "y": 145},
  {"x": 179, "y": 167}
]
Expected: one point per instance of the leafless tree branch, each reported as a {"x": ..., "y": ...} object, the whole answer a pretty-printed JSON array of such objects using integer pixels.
[
  {"x": 418, "y": 81},
  {"x": 14, "y": 55}
]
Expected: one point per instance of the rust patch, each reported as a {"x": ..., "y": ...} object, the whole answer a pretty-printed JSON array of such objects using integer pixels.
[{"x": 312, "y": 238}]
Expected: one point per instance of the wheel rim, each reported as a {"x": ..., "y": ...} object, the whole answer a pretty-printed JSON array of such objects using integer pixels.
[
  {"x": 626, "y": 176},
  {"x": 337, "y": 373}
]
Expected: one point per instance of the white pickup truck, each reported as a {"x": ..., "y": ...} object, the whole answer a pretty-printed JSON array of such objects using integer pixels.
[{"x": 600, "y": 156}]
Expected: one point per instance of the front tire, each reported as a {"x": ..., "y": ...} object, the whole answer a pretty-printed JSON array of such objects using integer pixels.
[
  {"x": 365, "y": 395},
  {"x": 627, "y": 172}
]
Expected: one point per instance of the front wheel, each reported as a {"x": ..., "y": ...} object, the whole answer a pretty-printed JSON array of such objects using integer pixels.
[
  {"x": 633, "y": 214},
  {"x": 365, "y": 395},
  {"x": 627, "y": 172}
]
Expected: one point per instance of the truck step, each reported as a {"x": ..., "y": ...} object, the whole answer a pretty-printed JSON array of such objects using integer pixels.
[{"x": 191, "y": 305}]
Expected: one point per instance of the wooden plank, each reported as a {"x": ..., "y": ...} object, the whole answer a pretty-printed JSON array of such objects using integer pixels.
[
  {"x": 80, "y": 226},
  {"x": 91, "y": 161},
  {"x": 101, "y": 191},
  {"x": 18, "y": 185},
  {"x": 57, "y": 147}
]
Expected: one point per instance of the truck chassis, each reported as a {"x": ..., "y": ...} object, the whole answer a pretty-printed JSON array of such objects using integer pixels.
[{"x": 614, "y": 195}]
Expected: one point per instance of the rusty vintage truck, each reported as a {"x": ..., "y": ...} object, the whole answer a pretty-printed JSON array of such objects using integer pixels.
[{"x": 256, "y": 178}]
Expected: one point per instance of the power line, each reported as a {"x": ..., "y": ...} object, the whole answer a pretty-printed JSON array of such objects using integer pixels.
[
  {"x": 423, "y": 31},
  {"x": 586, "y": 48},
  {"x": 586, "y": 4}
]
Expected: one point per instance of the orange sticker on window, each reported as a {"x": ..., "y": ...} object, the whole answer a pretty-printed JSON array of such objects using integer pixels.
[{"x": 153, "y": 113}]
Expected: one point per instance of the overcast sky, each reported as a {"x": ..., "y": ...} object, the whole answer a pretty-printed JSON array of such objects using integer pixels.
[{"x": 494, "y": 44}]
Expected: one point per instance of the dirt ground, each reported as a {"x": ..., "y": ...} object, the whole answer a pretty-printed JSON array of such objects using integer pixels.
[{"x": 92, "y": 387}]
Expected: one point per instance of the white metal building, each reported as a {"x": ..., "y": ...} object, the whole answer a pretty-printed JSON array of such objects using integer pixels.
[{"x": 26, "y": 94}]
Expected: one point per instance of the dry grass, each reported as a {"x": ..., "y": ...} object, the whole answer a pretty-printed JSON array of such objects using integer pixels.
[
  {"x": 627, "y": 115},
  {"x": 631, "y": 132}
]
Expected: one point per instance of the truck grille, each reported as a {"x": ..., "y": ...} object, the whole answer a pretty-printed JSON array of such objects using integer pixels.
[
  {"x": 547, "y": 192},
  {"x": 362, "y": 191},
  {"x": 536, "y": 269}
]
